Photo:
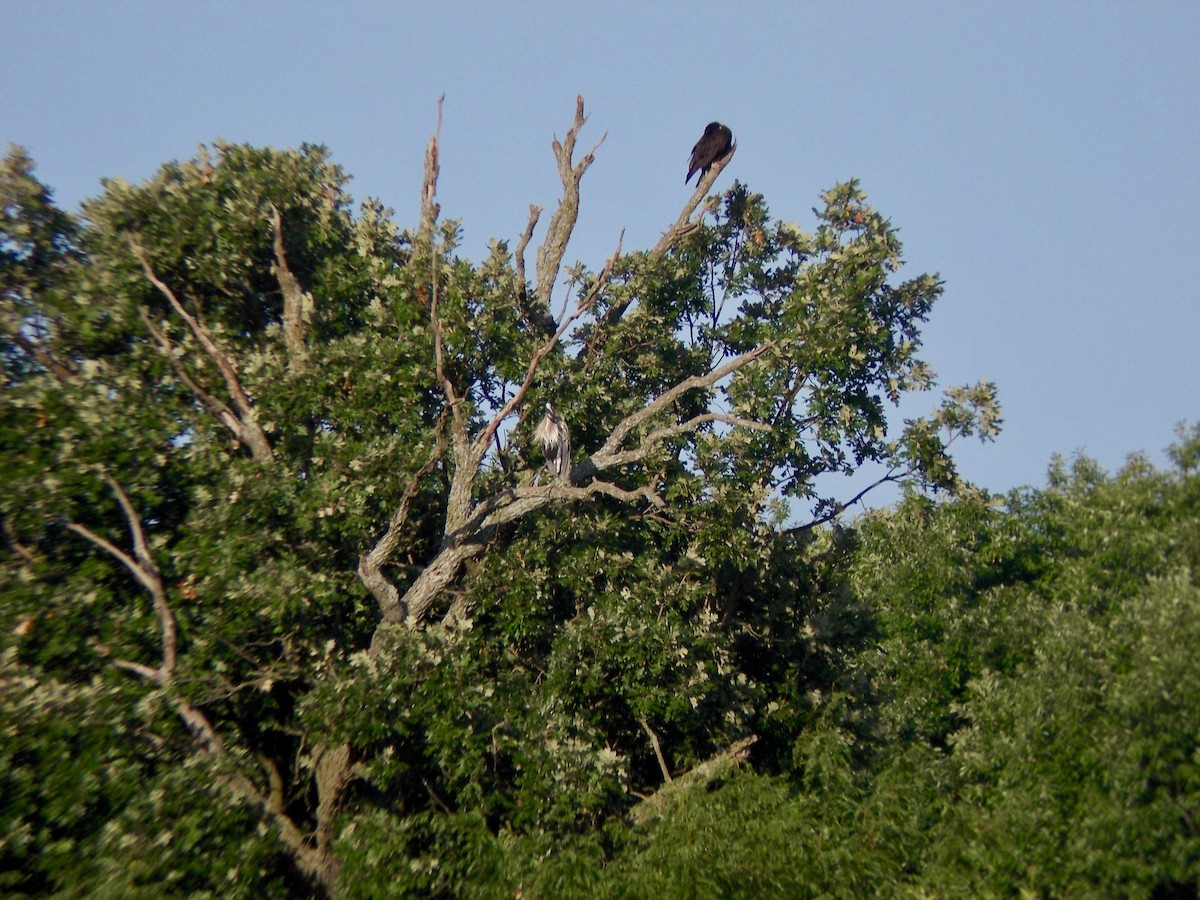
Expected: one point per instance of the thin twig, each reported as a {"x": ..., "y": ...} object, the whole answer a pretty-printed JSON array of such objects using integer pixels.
[{"x": 839, "y": 508}]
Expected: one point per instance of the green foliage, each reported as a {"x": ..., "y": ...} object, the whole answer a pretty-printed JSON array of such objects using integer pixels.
[{"x": 1023, "y": 722}]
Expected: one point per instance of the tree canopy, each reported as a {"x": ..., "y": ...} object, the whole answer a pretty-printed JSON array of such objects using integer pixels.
[{"x": 292, "y": 607}]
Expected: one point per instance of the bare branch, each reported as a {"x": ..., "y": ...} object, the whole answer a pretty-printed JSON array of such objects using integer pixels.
[
  {"x": 227, "y": 416},
  {"x": 370, "y": 564},
  {"x": 624, "y": 457},
  {"x": 694, "y": 382},
  {"x": 470, "y": 539},
  {"x": 684, "y": 225},
  {"x": 293, "y": 297},
  {"x": 108, "y": 547},
  {"x": 466, "y": 534},
  {"x": 585, "y": 303},
  {"x": 562, "y": 223},
  {"x": 274, "y": 798},
  {"x": 434, "y": 579},
  {"x": 140, "y": 548},
  {"x": 59, "y": 370},
  {"x": 254, "y": 435},
  {"x": 840, "y": 508},
  {"x": 645, "y": 492},
  {"x": 713, "y": 767},
  {"x": 11, "y": 533},
  {"x": 143, "y": 567},
  {"x": 515, "y": 502},
  {"x": 544, "y": 320},
  {"x": 149, "y": 673},
  {"x": 662, "y": 763},
  {"x": 429, "y": 209}
]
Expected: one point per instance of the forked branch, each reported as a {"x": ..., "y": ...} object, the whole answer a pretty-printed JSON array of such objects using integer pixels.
[
  {"x": 218, "y": 408},
  {"x": 370, "y": 564},
  {"x": 562, "y": 223},
  {"x": 247, "y": 418},
  {"x": 585, "y": 303},
  {"x": 467, "y": 538},
  {"x": 317, "y": 863},
  {"x": 144, "y": 569},
  {"x": 672, "y": 792}
]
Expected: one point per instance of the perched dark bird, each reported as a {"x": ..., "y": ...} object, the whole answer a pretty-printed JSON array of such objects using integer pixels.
[
  {"x": 715, "y": 145},
  {"x": 556, "y": 442}
]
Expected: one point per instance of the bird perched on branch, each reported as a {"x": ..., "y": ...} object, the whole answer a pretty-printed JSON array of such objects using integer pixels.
[
  {"x": 556, "y": 442},
  {"x": 714, "y": 145}
]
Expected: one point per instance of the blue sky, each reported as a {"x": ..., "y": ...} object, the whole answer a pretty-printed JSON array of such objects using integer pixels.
[{"x": 1044, "y": 158}]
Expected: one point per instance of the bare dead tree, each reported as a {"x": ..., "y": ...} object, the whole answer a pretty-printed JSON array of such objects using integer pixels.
[{"x": 472, "y": 523}]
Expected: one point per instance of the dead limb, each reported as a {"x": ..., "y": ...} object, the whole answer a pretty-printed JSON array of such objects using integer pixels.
[
  {"x": 471, "y": 535},
  {"x": 542, "y": 319},
  {"x": 471, "y": 523},
  {"x": 429, "y": 208},
  {"x": 562, "y": 223},
  {"x": 370, "y": 564},
  {"x": 245, "y": 414},
  {"x": 685, "y": 225},
  {"x": 658, "y": 754},
  {"x": 673, "y": 792},
  {"x": 295, "y": 302}
]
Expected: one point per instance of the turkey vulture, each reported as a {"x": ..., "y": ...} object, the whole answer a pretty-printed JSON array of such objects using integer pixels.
[{"x": 714, "y": 145}]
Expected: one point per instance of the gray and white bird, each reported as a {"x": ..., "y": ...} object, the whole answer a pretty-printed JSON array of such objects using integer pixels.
[{"x": 556, "y": 442}]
